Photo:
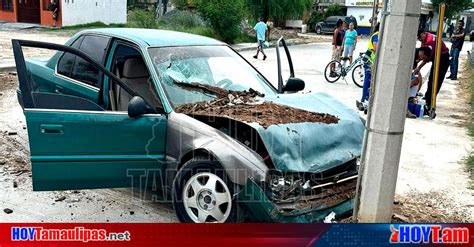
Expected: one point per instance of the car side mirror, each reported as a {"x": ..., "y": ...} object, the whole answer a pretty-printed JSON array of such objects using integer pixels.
[
  {"x": 137, "y": 107},
  {"x": 294, "y": 85}
]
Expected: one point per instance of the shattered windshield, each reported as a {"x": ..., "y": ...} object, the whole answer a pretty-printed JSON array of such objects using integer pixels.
[{"x": 185, "y": 72}]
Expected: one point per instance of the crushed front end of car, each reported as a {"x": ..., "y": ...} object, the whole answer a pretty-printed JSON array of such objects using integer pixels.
[
  {"x": 312, "y": 166},
  {"x": 301, "y": 197}
]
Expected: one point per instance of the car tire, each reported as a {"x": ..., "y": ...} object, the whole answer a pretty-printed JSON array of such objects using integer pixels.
[
  {"x": 319, "y": 30},
  {"x": 202, "y": 193}
]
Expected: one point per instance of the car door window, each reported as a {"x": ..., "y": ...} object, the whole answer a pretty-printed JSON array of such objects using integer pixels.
[
  {"x": 67, "y": 60},
  {"x": 128, "y": 64},
  {"x": 77, "y": 68}
]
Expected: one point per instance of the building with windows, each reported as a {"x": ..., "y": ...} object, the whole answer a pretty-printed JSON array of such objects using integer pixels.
[{"x": 71, "y": 12}]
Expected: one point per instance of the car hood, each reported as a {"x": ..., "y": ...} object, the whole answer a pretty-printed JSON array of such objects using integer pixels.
[{"x": 313, "y": 147}]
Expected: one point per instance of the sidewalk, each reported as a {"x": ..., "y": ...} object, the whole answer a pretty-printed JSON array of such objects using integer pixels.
[{"x": 7, "y": 65}]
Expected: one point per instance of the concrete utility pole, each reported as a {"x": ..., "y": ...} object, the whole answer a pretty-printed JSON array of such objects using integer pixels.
[
  {"x": 387, "y": 109},
  {"x": 375, "y": 11}
]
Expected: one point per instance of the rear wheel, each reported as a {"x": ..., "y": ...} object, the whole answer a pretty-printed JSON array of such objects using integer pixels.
[
  {"x": 333, "y": 71},
  {"x": 358, "y": 75},
  {"x": 202, "y": 193}
]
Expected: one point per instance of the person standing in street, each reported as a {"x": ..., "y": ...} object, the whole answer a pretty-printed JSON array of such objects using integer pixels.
[
  {"x": 350, "y": 42},
  {"x": 337, "y": 42},
  {"x": 429, "y": 40},
  {"x": 362, "y": 105},
  {"x": 261, "y": 29},
  {"x": 457, "y": 40},
  {"x": 54, "y": 7}
]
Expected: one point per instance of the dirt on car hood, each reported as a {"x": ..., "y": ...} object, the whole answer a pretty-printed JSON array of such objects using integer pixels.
[{"x": 302, "y": 132}]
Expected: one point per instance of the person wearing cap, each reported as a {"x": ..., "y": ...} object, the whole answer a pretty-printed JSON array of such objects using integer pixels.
[{"x": 429, "y": 40}]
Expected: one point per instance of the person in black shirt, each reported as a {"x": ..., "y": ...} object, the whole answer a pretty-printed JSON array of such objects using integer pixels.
[
  {"x": 457, "y": 40},
  {"x": 54, "y": 7}
]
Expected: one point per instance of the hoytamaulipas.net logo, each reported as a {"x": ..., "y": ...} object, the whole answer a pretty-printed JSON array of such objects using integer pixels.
[
  {"x": 429, "y": 234},
  {"x": 72, "y": 234}
]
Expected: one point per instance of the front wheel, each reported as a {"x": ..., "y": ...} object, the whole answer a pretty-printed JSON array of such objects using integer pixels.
[
  {"x": 358, "y": 75},
  {"x": 318, "y": 30},
  {"x": 333, "y": 71},
  {"x": 202, "y": 193}
]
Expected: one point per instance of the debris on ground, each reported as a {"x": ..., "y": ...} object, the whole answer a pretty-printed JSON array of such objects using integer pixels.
[
  {"x": 8, "y": 211},
  {"x": 400, "y": 218},
  {"x": 60, "y": 199},
  {"x": 249, "y": 106},
  {"x": 73, "y": 200},
  {"x": 331, "y": 218},
  {"x": 434, "y": 207}
]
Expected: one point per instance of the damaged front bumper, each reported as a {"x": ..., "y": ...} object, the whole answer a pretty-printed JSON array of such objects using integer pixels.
[{"x": 262, "y": 205}]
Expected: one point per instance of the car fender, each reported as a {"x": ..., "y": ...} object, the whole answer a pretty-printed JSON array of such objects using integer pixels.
[{"x": 186, "y": 135}]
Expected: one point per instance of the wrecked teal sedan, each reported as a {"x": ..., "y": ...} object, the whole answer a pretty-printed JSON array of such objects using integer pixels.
[{"x": 186, "y": 115}]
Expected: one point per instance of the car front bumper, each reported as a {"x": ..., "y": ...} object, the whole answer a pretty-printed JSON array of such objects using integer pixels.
[{"x": 260, "y": 208}]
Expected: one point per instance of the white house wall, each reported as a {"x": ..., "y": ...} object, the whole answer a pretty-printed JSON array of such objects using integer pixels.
[{"x": 76, "y": 12}]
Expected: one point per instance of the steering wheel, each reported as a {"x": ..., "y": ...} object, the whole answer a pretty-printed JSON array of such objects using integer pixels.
[{"x": 224, "y": 83}]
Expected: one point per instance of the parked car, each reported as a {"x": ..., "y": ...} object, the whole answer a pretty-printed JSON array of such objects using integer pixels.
[
  {"x": 329, "y": 24},
  {"x": 106, "y": 111}
]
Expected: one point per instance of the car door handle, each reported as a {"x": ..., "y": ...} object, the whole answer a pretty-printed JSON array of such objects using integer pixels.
[{"x": 52, "y": 129}]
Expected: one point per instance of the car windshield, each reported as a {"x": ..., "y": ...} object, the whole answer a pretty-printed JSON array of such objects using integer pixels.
[{"x": 183, "y": 72}]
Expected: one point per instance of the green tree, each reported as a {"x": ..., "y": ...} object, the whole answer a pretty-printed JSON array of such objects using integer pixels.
[
  {"x": 278, "y": 10},
  {"x": 334, "y": 9},
  {"x": 224, "y": 16},
  {"x": 180, "y": 4},
  {"x": 453, "y": 7}
]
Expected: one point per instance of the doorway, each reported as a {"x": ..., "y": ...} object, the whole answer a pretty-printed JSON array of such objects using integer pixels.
[{"x": 29, "y": 11}]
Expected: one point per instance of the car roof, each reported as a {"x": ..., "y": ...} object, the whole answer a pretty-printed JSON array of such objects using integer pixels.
[{"x": 154, "y": 37}]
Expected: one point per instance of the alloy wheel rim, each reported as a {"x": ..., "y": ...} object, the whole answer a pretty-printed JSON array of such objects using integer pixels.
[{"x": 207, "y": 198}]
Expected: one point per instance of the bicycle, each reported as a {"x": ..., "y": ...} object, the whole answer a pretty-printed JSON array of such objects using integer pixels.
[{"x": 357, "y": 67}]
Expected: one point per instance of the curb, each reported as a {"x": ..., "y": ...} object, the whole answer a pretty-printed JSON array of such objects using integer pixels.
[{"x": 7, "y": 68}]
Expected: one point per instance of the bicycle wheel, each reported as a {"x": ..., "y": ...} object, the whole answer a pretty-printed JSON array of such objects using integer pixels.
[
  {"x": 332, "y": 73},
  {"x": 358, "y": 75}
]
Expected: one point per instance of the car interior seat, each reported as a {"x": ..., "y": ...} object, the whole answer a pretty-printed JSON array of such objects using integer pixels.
[{"x": 135, "y": 75}]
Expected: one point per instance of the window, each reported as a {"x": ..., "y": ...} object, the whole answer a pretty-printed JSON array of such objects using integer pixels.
[
  {"x": 67, "y": 60},
  {"x": 77, "y": 68},
  {"x": 7, "y": 5},
  {"x": 129, "y": 66}
]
